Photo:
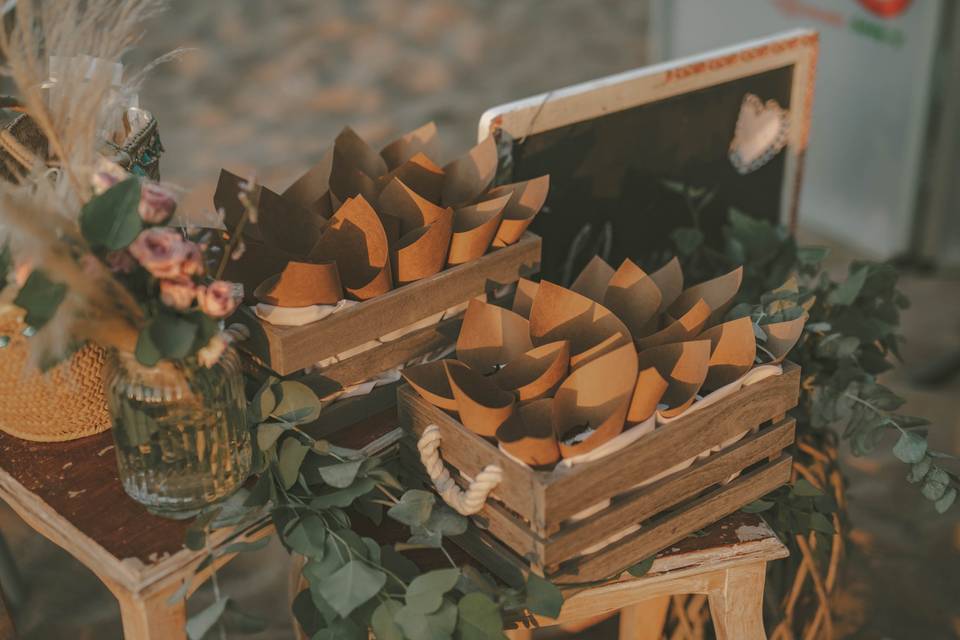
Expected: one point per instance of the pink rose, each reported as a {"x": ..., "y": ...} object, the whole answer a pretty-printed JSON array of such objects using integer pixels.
[
  {"x": 161, "y": 250},
  {"x": 217, "y": 299},
  {"x": 121, "y": 261},
  {"x": 157, "y": 203},
  {"x": 210, "y": 354},
  {"x": 179, "y": 293}
]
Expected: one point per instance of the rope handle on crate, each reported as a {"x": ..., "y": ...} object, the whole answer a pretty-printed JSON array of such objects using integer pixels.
[{"x": 465, "y": 502}]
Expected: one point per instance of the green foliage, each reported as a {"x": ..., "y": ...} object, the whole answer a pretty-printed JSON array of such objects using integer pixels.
[
  {"x": 311, "y": 489},
  {"x": 851, "y": 337},
  {"x": 111, "y": 221},
  {"x": 40, "y": 297}
]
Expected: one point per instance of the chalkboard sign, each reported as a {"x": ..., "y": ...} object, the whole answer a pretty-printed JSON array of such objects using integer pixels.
[{"x": 625, "y": 153}]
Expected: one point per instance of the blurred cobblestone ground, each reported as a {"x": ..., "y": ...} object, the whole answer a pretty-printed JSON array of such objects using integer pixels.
[{"x": 269, "y": 84}]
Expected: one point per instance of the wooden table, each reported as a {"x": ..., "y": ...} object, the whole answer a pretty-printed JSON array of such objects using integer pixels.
[
  {"x": 727, "y": 564},
  {"x": 70, "y": 493}
]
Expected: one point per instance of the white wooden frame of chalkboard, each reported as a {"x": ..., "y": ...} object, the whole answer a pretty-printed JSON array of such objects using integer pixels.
[{"x": 603, "y": 96}]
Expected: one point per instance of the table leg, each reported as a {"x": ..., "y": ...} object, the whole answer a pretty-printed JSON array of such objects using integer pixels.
[
  {"x": 736, "y": 603},
  {"x": 644, "y": 621},
  {"x": 148, "y": 616}
]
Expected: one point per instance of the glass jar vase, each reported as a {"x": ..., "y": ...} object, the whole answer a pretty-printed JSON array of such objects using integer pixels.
[{"x": 180, "y": 430}]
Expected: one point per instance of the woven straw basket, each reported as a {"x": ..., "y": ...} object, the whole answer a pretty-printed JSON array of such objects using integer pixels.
[{"x": 64, "y": 403}]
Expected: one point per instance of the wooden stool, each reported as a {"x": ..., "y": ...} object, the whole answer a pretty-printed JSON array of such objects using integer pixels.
[{"x": 727, "y": 565}]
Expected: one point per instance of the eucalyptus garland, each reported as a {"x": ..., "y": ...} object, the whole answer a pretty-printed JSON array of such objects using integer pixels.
[
  {"x": 851, "y": 335},
  {"x": 310, "y": 491}
]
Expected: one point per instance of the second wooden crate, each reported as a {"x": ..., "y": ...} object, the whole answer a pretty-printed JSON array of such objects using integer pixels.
[{"x": 532, "y": 512}]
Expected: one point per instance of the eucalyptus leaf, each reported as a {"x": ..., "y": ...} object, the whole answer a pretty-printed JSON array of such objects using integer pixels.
[
  {"x": 642, "y": 568},
  {"x": 802, "y": 487},
  {"x": 267, "y": 434},
  {"x": 351, "y": 586},
  {"x": 343, "y": 498},
  {"x": 308, "y": 537},
  {"x": 292, "y": 453},
  {"x": 172, "y": 335},
  {"x": 846, "y": 293},
  {"x": 341, "y": 630},
  {"x": 946, "y": 500},
  {"x": 40, "y": 297},
  {"x": 340, "y": 475},
  {"x": 935, "y": 484},
  {"x": 758, "y": 506},
  {"x": 439, "y": 625},
  {"x": 111, "y": 220},
  {"x": 297, "y": 403},
  {"x": 910, "y": 448},
  {"x": 414, "y": 508},
  {"x": 384, "y": 627},
  {"x": 245, "y": 547},
  {"x": 426, "y": 591},
  {"x": 687, "y": 240},
  {"x": 478, "y": 618},
  {"x": 543, "y": 597}
]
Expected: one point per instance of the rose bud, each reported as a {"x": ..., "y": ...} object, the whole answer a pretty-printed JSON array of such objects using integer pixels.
[
  {"x": 217, "y": 299},
  {"x": 161, "y": 251},
  {"x": 101, "y": 181},
  {"x": 178, "y": 294},
  {"x": 210, "y": 354},
  {"x": 157, "y": 203}
]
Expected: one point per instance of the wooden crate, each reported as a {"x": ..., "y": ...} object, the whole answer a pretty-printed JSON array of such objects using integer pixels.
[
  {"x": 530, "y": 511},
  {"x": 289, "y": 349}
]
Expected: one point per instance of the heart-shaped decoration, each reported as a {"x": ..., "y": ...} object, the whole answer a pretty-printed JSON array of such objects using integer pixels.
[{"x": 761, "y": 133}]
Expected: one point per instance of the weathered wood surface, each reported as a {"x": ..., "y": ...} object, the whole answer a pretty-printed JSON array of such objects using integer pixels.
[{"x": 289, "y": 349}]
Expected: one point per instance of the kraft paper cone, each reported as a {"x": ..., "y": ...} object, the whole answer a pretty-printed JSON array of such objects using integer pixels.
[
  {"x": 473, "y": 229},
  {"x": 536, "y": 373},
  {"x": 634, "y": 297},
  {"x": 686, "y": 328},
  {"x": 593, "y": 280},
  {"x": 733, "y": 349},
  {"x": 355, "y": 167},
  {"x": 420, "y": 174},
  {"x": 526, "y": 200},
  {"x": 523, "y": 297},
  {"x": 311, "y": 191},
  {"x": 257, "y": 263},
  {"x": 669, "y": 279},
  {"x": 423, "y": 251},
  {"x": 357, "y": 242},
  {"x": 684, "y": 366},
  {"x": 431, "y": 382},
  {"x": 591, "y": 404},
  {"x": 469, "y": 175},
  {"x": 561, "y": 314},
  {"x": 412, "y": 209},
  {"x": 420, "y": 140},
  {"x": 782, "y": 336},
  {"x": 646, "y": 395},
  {"x": 529, "y": 436},
  {"x": 491, "y": 336},
  {"x": 717, "y": 293},
  {"x": 482, "y": 405},
  {"x": 302, "y": 285}
]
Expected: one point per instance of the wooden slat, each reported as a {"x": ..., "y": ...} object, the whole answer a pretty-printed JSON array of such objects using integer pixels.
[
  {"x": 677, "y": 525},
  {"x": 389, "y": 355},
  {"x": 644, "y": 503},
  {"x": 470, "y": 453},
  {"x": 667, "y": 446},
  {"x": 289, "y": 349}
]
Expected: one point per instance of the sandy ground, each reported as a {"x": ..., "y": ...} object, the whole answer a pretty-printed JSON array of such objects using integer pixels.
[{"x": 267, "y": 86}]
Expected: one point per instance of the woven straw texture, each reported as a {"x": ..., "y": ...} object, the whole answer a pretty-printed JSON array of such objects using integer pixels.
[{"x": 65, "y": 403}]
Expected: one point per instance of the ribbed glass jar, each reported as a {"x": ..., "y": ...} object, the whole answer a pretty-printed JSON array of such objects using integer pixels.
[{"x": 180, "y": 431}]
